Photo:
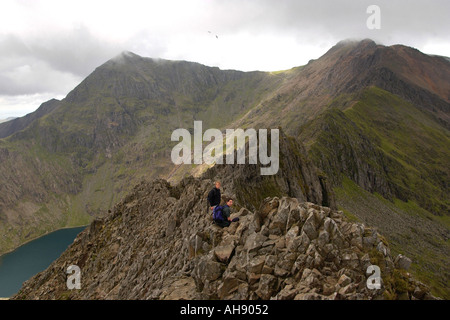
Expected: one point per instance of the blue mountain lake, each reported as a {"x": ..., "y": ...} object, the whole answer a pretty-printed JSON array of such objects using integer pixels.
[{"x": 33, "y": 257}]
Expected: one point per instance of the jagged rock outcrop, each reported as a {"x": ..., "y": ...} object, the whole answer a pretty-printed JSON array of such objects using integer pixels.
[{"x": 160, "y": 243}]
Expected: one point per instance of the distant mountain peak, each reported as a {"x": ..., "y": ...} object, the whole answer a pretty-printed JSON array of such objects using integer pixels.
[
  {"x": 129, "y": 54},
  {"x": 353, "y": 44},
  {"x": 125, "y": 55},
  {"x": 366, "y": 41}
]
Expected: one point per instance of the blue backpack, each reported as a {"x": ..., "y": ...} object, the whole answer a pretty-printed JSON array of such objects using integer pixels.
[{"x": 217, "y": 214}]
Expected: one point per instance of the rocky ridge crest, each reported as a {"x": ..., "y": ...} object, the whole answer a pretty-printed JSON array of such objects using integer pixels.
[{"x": 160, "y": 243}]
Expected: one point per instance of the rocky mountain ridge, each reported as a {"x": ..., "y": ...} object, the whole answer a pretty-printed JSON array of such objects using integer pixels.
[{"x": 160, "y": 243}]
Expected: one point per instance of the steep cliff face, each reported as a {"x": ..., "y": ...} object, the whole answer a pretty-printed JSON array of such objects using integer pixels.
[
  {"x": 297, "y": 177},
  {"x": 382, "y": 143},
  {"x": 340, "y": 146},
  {"x": 160, "y": 243},
  {"x": 395, "y": 101}
]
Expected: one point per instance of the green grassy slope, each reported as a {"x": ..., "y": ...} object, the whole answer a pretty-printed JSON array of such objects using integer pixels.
[
  {"x": 410, "y": 230},
  {"x": 409, "y": 137},
  {"x": 389, "y": 164},
  {"x": 386, "y": 145}
]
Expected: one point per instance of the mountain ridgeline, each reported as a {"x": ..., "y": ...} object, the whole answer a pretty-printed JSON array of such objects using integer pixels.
[
  {"x": 14, "y": 125},
  {"x": 365, "y": 131}
]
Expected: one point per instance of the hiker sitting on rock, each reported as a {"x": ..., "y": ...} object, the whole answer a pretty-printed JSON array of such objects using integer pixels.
[{"x": 221, "y": 214}]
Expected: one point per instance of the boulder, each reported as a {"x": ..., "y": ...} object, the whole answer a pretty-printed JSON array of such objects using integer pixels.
[
  {"x": 348, "y": 289},
  {"x": 328, "y": 289},
  {"x": 310, "y": 228},
  {"x": 254, "y": 242},
  {"x": 323, "y": 239},
  {"x": 283, "y": 215},
  {"x": 291, "y": 235},
  {"x": 402, "y": 262},
  {"x": 267, "y": 286},
  {"x": 207, "y": 270},
  {"x": 268, "y": 205},
  {"x": 344, "y": 280},
  {"x": 303, "y": 243},
  {"x": 256, "y": 264},
  {"x": 223, "y": 253},
  {"x": 287, "y": 293},
  {"x": 228, "y": 286}
]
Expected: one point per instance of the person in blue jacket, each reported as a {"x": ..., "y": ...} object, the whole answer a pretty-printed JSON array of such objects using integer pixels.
[{"x": 226, "y": 213}]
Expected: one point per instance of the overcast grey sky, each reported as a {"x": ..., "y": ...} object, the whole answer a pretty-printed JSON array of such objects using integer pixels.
[{"x": 48, "y": 46}]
